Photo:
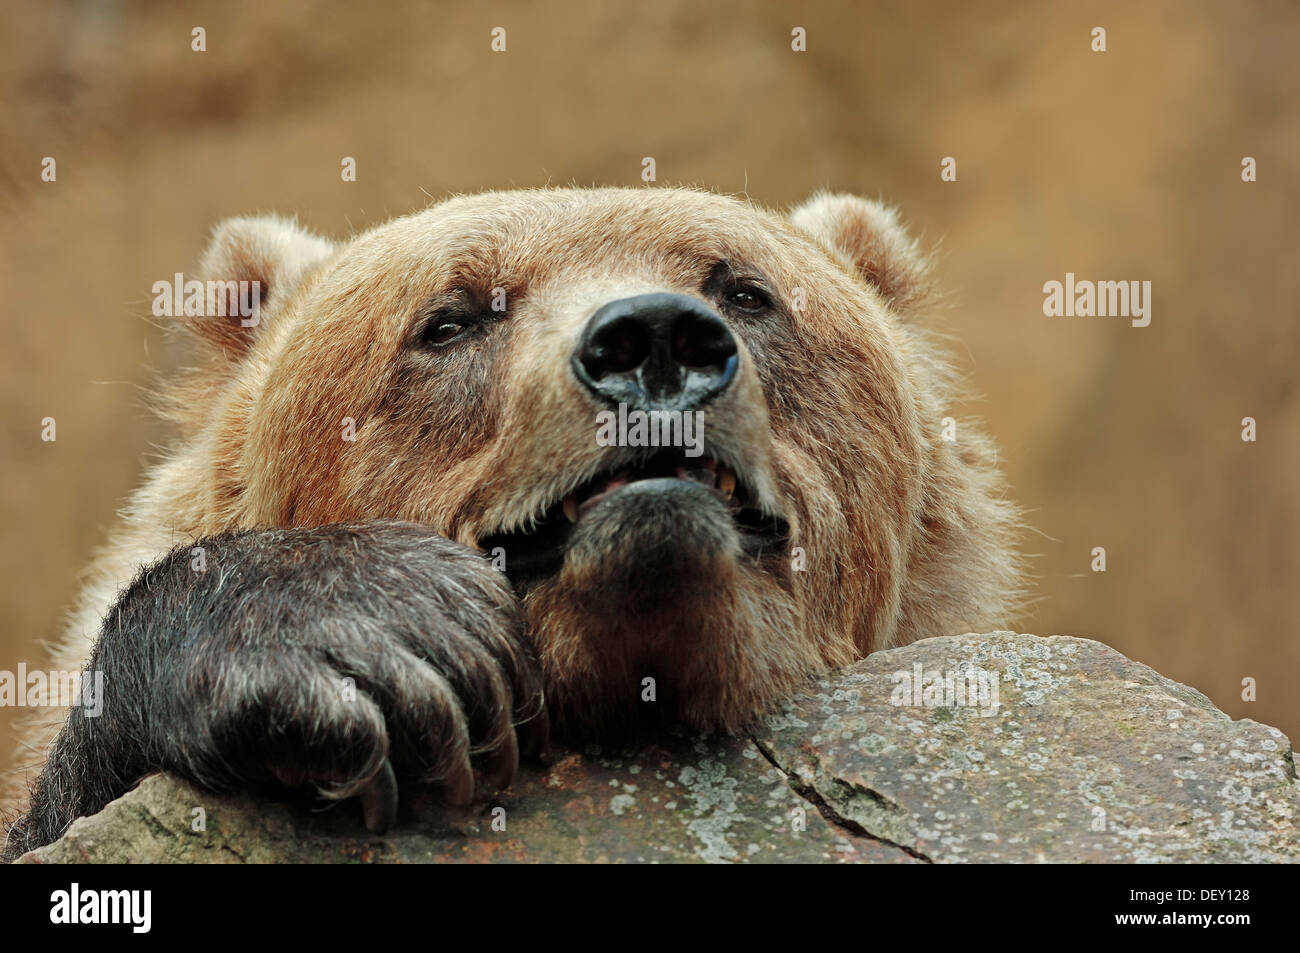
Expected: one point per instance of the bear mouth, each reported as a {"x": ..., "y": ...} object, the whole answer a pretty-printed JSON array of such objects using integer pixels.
[{"x": 537, "y": 550}]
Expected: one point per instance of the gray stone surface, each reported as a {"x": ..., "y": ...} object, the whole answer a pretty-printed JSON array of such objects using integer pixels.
[
  {"x": 1088, "y": 756},
  {"x": 1072, "y": 753}
]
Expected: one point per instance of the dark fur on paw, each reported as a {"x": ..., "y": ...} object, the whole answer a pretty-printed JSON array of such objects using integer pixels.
[{"x": 340, "y": 660}]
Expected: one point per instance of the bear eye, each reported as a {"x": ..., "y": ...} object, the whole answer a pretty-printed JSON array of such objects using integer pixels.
[
  {"x": 442, "y": 331},
  {"x": 748, "y": 297},
  {"x": 451, "y": 317}
]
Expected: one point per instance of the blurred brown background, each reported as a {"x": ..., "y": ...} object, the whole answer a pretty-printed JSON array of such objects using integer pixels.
[{"x": 1116, "y": 165}]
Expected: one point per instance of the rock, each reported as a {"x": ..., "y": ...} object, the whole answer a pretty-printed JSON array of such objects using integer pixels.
[
  {"x": 1088, "y": 757},
  {"x": 1061, "y": 750},
  {"x": 695, "y": 802}
]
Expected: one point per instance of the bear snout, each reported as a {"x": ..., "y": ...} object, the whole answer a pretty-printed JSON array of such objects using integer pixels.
[{"x": 660, "y": 351}]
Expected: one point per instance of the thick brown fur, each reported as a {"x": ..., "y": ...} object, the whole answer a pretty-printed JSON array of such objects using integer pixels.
[{"x": 835, "y": 420}]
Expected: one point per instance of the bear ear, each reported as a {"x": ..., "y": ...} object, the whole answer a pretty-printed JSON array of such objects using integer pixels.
[
  {"x": 869, "y": 236},
  {"x": 274, "y": 252}
]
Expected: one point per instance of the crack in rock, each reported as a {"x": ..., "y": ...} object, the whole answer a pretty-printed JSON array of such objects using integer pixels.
[{"x": 854, "y": 822}]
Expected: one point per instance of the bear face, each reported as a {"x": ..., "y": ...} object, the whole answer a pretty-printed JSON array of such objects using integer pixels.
[{"x": 441, "y": 368}]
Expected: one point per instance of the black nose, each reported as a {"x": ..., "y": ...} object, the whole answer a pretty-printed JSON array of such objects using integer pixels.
[{"x": 656, "y": 352}]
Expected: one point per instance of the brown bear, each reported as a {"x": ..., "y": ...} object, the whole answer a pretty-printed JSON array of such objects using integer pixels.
[{"x": 416, "y": 513}]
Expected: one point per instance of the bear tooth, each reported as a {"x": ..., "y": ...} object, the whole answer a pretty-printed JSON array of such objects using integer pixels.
[
  {"x": 571, "y": 508},
  {"x": 726, "y": 482}
]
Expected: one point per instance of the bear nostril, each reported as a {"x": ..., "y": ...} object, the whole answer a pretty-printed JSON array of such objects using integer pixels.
[
  {"x": 701, "y": 341},
  {"x": 616, "y": 347}
]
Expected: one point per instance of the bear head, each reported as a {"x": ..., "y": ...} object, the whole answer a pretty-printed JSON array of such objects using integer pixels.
[{"x": 706, "y": 442}]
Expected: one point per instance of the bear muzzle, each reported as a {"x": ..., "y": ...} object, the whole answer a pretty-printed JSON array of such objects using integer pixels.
[
  {"x": 651, "y": 492},
  {"x": 666, "y": 513}
]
